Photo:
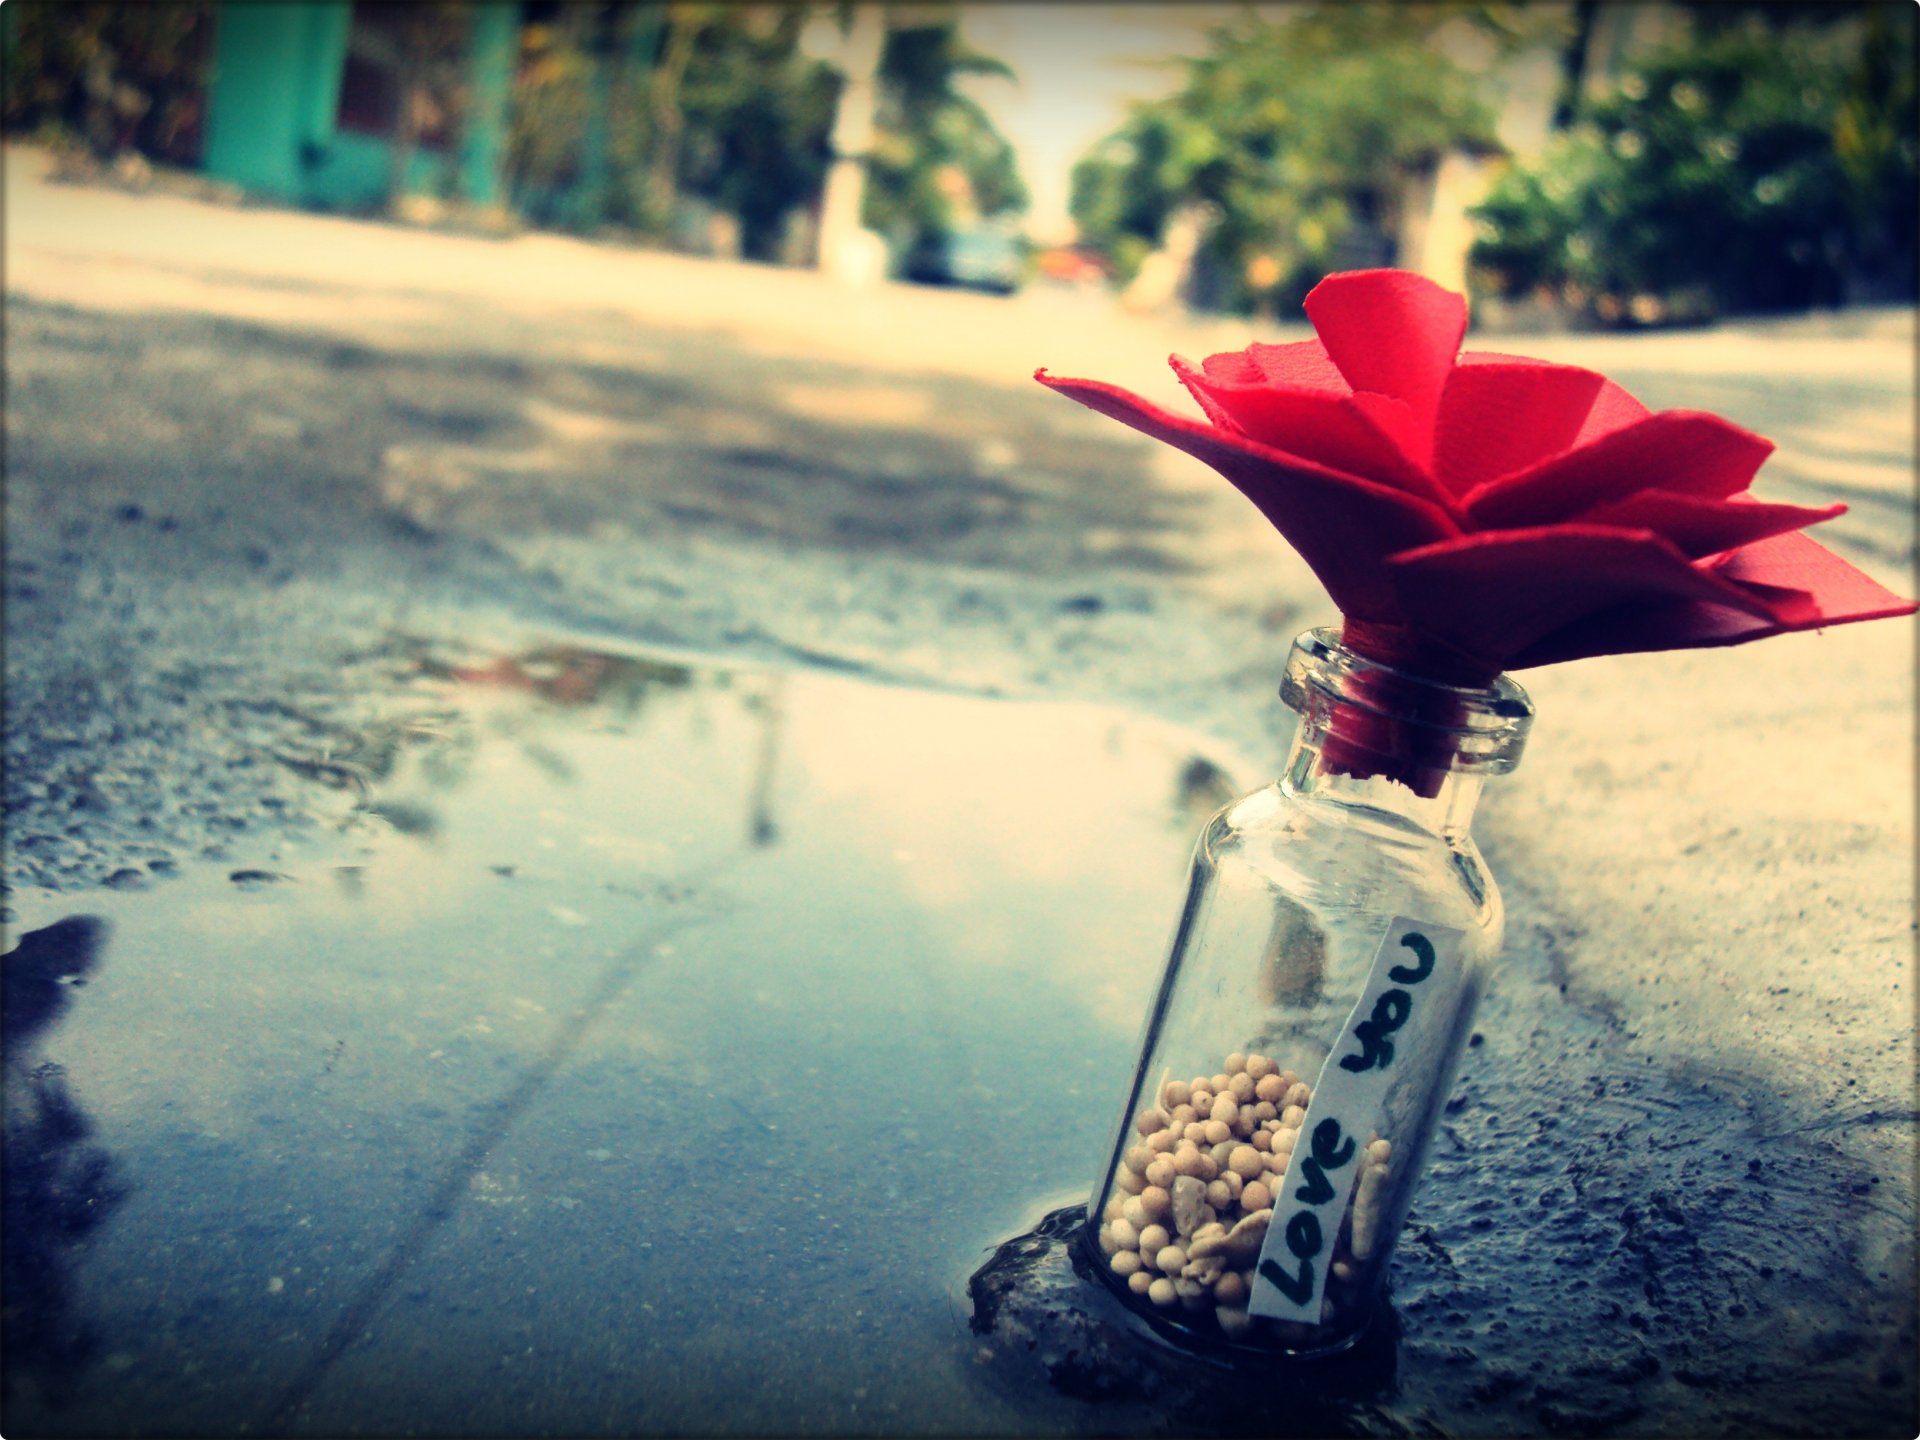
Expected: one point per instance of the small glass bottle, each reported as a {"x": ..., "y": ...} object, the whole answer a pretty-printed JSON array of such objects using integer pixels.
[{"x": 1338, "y": 927}]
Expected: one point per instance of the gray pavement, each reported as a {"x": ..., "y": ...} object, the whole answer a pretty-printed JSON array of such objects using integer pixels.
[{"x": 277, "y": 483}]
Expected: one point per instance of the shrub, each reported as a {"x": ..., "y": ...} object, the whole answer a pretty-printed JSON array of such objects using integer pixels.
[{"x": 1761, "y": 167}]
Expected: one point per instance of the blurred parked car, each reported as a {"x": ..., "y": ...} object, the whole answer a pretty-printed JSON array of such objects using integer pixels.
[
  {"x": 1074, "y": 265},
  {"x": 978, "y": 259}
]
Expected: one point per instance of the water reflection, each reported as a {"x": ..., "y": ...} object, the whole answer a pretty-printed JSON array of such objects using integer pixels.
[
  {"x": 439, "y": 744},
  {"x": 762, "y": 829},
  {"x": 1203, "y": 787},
  {"x": 559, "y": 1069},
  {"x": 573, "y": 675},
  {"x": 58, "y": 1188},
  {"x": 949, "y": 787}
]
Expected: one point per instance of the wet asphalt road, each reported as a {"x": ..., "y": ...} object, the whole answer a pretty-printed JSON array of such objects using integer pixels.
[{"x": 1676, "y": 1191}]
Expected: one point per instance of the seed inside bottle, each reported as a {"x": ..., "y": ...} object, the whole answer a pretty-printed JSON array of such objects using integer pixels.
[{"x": 1205, "y": 1176}]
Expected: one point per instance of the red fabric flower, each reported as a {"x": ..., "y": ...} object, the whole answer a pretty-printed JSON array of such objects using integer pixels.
[{"x": 1473, "y": 513}]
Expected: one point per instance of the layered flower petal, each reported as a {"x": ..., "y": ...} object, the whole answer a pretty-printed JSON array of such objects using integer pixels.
[
  {"x": 1644, "y": 626},
  {"x": 1808, "y": 585},
  {"x": 1794, "y": 564},
  {"x": 1476, "y": 512},
  {"x": 1699, "y": 526},
  {"x": 1302, "y": 365},
  {"x": 1367, "y": 435},
  {"x": 1343, "y": 525},
  {"x": 1501, "y": 416},
  {"x": 1495, "y": 594},
  {"x": 1392, "y": 333},
  {"x": 1612, "y": 407},
  {"x": 1683, "y": 451}
]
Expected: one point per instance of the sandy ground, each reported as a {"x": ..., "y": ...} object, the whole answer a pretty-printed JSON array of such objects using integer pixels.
[{"x": 247, "y": 447}]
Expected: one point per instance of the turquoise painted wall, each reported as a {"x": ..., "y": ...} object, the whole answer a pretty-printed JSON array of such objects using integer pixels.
[
  {"x": 276, "y": 85},
  {"x": 350, "y": 173},
  {"x": 276, "y": 92},
  {"x": 483, "y": 145}
]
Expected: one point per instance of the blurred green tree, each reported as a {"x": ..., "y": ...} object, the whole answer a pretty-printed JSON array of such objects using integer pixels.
[
  {"x": 717, "y": 106},
  {"x": 702, "y": 102},
  {"x": 553, "y": 92},
  {"x": 757, "y": 116},
  {"x": 1296, "y": 141},
  {"x": 1767, "y": 162},
  {"x": 939, "y": 163},
  {"x": 123, "y": 77}
]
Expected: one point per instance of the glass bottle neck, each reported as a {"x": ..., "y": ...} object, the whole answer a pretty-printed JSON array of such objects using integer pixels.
[
  {"x": 1396, "y": 744},
  {"x": 1443, "y": 804}
]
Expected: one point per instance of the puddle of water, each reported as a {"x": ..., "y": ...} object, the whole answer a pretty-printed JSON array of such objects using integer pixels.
[{"x": 649, "y": 1056}]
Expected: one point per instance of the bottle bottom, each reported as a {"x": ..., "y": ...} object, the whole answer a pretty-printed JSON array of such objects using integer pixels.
[
  {"x": 1041, "y": 1314},
  {"x": 1186, "y": 1211},
  {"x": 1197, "y": 1335}
]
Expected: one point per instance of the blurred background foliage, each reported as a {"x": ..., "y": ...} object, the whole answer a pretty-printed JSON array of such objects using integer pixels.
[
  {"x": 1289, "y": 145},
  {"x": 121, "y": 78},
  {"x": 640, "y": 116},
  {"x": 719, "y": 124},
  {"x": 1762, "y": 159},
  {"x": 1752, "y": 157},
  {"x": 702, "y": 125},
  {"x": 938, "y": 163}
]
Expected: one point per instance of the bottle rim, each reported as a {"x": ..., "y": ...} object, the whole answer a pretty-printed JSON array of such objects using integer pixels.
[{"x": 1476, "y": 727}]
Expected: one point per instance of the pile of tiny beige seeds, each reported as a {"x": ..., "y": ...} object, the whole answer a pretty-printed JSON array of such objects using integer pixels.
[{"x": 1192, "y": 1199}]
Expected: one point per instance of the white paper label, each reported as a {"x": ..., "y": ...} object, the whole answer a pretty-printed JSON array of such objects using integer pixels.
[{"x": 1405, "y": 1007}]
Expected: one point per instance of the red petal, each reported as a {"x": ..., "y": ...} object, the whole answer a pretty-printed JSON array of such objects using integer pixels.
[
  {"x": 1808, "y": 583},
  {"x": 1613, "y": 408},
  {"x": 1656, "y": 625},
  {"x": 1342, "y": 525},
  {"x": 1495, "y": 594},
  {"x": 1220, "y": 414},
  {"x": 1392, "y": 419},
  {"x": 1393, "y": 333},
  {"x": 1500, "y": 417},
  {"x": 1683, "y": 451},
  {"x": 1840, "y": 593},
  {"x": 1360, "y": 435},
  {"x": 1302, "y": 365},
  {"x": 1698, "y": 526}
]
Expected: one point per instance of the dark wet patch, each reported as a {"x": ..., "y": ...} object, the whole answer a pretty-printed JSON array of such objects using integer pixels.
[
  {"x": 57, "y": 1187},
  {"x": 255, "y": 879},
  {"x": 1603, "y": 1242},
  {"x": 461, "y": 426}
]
